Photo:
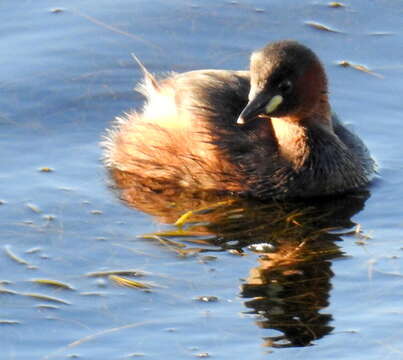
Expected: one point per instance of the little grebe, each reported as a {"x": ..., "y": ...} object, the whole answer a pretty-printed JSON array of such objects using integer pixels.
[{"x": 267, "y": 133}]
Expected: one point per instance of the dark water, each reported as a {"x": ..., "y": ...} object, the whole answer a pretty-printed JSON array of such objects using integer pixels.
[{"x": 64, "y": 76}]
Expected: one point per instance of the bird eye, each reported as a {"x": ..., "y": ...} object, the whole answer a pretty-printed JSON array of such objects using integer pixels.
[{"x": 285, "y": 86}]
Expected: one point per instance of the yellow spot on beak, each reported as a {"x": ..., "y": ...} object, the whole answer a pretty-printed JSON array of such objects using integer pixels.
[{"x": 273, "y": 103}]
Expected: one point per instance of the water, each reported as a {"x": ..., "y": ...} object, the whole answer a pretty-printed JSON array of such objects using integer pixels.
[{"x": 64, "y": 76}]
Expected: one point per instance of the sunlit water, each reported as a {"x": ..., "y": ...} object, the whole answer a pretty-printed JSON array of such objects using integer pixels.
[{"x": 66, "y": 71}]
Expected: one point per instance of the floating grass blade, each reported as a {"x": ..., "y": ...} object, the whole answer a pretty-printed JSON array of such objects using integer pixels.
[
  {"x": 128, "y": 272},
  {"x": 53, "y": 283},
  {"x": 92, "y": 293},
  {"x": 46, "y": 169},
  {"x": 33, "y": 250},
  {"x": 98, "y": 335},
  {"x": 45, "y": 297},
  {"x": 359, "y": 67},
  {"x": 174, "y": 233},
  {"x": 7, "y": 291},
  {"x": 14, "y": 257},
  {"x": 179, "y": 248},
  {"x": 34, "y": 208},
  {"x": 190, "y": 251},
  {"x": 9, "y": 322},
  {"x": 130, "y": 283},
  {"x": 47, "y": 307},
  {"x": 336, "y": 4},
  {"x": 321, "y": 27},
  {"x": 182, "y": 220},
  {"x": 169, "y": 242}
]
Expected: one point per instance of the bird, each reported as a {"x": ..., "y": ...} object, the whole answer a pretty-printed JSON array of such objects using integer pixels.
[{"x": 265, "y": 133}]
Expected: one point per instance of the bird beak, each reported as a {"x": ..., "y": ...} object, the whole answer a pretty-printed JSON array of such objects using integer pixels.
[{"x": 258, "y": 106}]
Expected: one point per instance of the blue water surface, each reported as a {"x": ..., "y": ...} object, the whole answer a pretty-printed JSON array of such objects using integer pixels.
[{"x": 66, "y": 72}]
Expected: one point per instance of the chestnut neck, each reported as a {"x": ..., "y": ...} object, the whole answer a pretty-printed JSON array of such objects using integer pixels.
[{"x": 294, "y": 132}]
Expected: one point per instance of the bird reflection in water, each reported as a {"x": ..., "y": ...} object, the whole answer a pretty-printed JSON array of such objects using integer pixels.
[{"x": 288, "y": 291}]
